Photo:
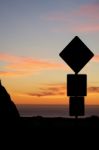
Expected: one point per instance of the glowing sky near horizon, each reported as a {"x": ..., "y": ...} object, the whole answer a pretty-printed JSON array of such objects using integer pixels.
[{"x": 32, "y": 34}]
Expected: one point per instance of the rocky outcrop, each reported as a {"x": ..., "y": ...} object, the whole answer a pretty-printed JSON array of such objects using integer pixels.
[{"x": 7, "y": 107}]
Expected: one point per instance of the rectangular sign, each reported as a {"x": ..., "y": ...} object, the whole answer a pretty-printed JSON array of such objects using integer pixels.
[
  {"x": 76, "y": 105},
  {"x": 76, "y": 85}
]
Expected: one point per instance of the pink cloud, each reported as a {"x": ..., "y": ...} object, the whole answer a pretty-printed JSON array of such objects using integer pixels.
[
  {"x": 78, "y": 27},
  {"x": 83, "y": 19},
  {"x": 86, "y": 28},
  {"x": 86, "y": 11}
]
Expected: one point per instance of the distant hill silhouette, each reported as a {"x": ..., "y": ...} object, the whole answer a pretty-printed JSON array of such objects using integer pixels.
[{"x": 7, "y": 107}]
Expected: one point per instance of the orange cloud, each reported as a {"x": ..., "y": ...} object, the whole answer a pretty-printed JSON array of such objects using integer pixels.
[
  {"x": 50, "y": 90},
  {"x": 9, "y": 73},
  {"x": 57, "y": 92},
  {"x": 93, "y": 89},
  {"x": 25, "y": 65},
  {"x": 60, "y": 89}
]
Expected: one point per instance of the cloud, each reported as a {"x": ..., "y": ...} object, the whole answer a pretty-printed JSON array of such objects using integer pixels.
[
  {"x": 86, "y": 28},
  {"x": 84, "y": 19},
  {"x": 88, "y": 10},
  {"x": 10, "y": 73},
  {"x": 49, "y": 90},
  {"x": 10, "y": 58},
  {"x": 17, "y": 65},
  {"x": 59, "y": 89},
  {"x": 77, "y": 28},
  {"x": 93, "y": 89},
  {"x": 42, "y": 94}
]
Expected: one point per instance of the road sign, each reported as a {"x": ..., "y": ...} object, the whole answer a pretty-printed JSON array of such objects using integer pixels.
[
  {"x": 76, "y": 106},
  {"x": 76, "y": 54},
  {"x": 76, "y": 85}
]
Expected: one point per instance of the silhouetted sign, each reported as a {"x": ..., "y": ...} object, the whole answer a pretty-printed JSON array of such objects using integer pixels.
[
  {"x": 76, "y": 106},
  {"x": 76, "y": 85},
  {"x": 76, "y": 54}
]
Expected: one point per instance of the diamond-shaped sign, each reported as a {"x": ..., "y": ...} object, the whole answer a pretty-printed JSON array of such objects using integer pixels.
[{"x": 76, "y": 54}]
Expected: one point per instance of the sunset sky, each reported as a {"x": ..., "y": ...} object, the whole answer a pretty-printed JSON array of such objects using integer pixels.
[{"x": 32, "y": 34}]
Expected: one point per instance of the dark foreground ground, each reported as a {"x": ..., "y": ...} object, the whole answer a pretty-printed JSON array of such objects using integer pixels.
[
  {"x": 59, "y": 123},
  {"x": 39, "y": 132},
  {"x": 41, "y": 123}
]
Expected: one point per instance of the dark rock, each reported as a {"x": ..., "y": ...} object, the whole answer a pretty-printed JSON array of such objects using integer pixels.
[{"x": 7, "y": 107}]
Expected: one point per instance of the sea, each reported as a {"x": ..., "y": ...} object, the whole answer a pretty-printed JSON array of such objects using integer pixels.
[{"x": 26, "y": 110}]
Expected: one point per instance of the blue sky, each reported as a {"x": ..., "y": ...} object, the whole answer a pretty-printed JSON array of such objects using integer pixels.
[{"x": 25, "y": 29}]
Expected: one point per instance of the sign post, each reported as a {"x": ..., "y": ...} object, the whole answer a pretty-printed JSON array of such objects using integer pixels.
[{"x": 76, "y": 54}]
